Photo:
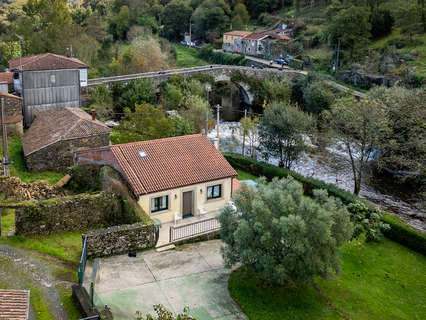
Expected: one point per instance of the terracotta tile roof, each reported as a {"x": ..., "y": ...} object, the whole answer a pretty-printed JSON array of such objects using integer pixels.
[
  {"x": 46, "y": 61},
  {"x": 14, "y": 304},
  {"x": 260, "y": 35},
  {"x": 171, "y": 163},
  {"x": 50, "y": 126},
  {"x": 6, "y": 77},
  {"x": 237, "y": 33}
]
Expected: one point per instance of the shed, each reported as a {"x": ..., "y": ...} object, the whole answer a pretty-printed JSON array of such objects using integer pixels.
[
  {"x": 54, "y": 135},
  {"x": 48, "y": 81}
]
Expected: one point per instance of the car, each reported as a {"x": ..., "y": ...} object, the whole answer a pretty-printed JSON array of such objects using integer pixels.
[{"x": 280, "y": 61}]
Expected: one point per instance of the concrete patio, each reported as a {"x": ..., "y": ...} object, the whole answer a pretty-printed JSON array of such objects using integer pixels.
[{"x": 193, "y": 275}]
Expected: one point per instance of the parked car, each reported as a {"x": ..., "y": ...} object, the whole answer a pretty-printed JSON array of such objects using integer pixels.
[{"x": 280, "y": 61}]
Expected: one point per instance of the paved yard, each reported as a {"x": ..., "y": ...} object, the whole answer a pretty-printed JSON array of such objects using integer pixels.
[{"x": 193, "y": 275}]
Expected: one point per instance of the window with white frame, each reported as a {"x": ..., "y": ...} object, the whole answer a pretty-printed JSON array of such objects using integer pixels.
[
  {"x": 214, "y": 192},
  {"x": 159, "y": 204}
]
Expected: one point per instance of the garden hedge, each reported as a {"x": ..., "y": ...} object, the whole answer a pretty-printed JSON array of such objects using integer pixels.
[
  {"x": 402, "y": 233},
  {"x": 398, "y": 232},
  {"x": 207, "y": 53}
]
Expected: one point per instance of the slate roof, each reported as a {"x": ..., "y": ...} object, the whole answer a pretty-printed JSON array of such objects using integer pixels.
[
  {"x": 50, "y": 126},
  {"x": 14, "y": 304},
  {"x": 46, "y": 61},
  {"x": 171, "y": 163}
]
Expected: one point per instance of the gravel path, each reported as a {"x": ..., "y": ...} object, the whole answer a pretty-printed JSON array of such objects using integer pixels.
[{"x": 19, "y": 269}]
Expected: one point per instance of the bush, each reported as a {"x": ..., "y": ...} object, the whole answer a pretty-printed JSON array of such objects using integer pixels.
[
  {"x": 207, "y": 53},
  {"x": 400, "y": 232}
]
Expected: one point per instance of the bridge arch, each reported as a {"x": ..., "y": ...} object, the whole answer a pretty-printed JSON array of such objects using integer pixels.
[{"x": 243, "y": 87}]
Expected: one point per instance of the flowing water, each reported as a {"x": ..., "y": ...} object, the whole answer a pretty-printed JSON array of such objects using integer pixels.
[{"x": 338, "y": 173}]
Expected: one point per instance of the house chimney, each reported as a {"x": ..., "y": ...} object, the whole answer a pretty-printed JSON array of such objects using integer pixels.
[{"x": 93, "y": 114}]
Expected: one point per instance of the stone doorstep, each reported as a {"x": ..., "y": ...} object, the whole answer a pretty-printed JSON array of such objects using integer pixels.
[{"x": 165, "y": 247}]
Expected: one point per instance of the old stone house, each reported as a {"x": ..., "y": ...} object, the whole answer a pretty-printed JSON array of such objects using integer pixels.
[
  {"x": 13, "y": 114},
  {"x": 171, "y": 178},
  {"x": 54, "y": 135}
]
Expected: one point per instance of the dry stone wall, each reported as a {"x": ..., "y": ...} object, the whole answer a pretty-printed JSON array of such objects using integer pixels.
[
  {"x": 85, "y": 211},
  {"x": 120, "y": 239}
]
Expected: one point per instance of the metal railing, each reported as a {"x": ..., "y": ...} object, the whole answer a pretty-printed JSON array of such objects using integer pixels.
[
  {"x": 193, "y": 229},
  {"x": 83, "y": 260}
]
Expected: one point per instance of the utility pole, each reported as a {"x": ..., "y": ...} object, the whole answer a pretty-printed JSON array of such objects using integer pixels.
[
  {"x": 217, "y": 126},
  {"x": 337, "y": 58},
  {"x": 208, "y": 88},
  {"x": 190, "y": 32},
  {"x": 244, "y": 129},
  {"x": 4, "y": 133}
]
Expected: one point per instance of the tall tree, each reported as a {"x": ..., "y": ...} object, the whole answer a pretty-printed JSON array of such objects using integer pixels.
[
  {"x": 176, "y": 16},
  {"x": 361, "y": 126},
  {"x": 211, "y": 16},
  {"x": 283, "y": 235},
  {"x": 282, "y": 131}
]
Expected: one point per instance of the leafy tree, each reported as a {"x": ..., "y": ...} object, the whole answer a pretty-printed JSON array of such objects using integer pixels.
[
  {"x": 172, "y": 96},
  {"x": 240, "y": 11},
  {"x": 275, "y": 91},
  {"x": 163, "y": 314},
  {"x": 211, "y": 16},
  {"x": 361, "y": 126},
  {"x": 237, "y": 23},
  {"x": 176, "y": 17},
  {"x": 352, "y": 28},
  {"x": 404, "y": 147},
  {"x": 182, "y": 126},
  {"x": 283, "y": 235},
  {"x": 249, "y": 129},
  {"x": 146, "y": 123},
  {"x": 282, "y": 129},
  {"x": 119, "y": 24},
  {"x": 381, "y": 23},
  {"x": 138, "y": 91},
  {"x": 194, "y": 110},
  {"x": 102, "y": 101},
  {"x": 317, "y": 97}
]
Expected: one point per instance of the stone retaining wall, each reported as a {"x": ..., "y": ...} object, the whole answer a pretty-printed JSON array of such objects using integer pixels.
[
  {"x": 85, "y": 211},
  {"x": 120, "y": 239}
]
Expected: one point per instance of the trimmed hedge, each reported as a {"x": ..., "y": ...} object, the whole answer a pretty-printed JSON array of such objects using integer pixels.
[
  {"x": 207, "y": 53},
  {"x": 402, "y": 233},
  {"x": 398, "y": 231}
]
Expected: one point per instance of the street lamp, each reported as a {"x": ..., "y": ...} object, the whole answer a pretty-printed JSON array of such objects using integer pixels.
[
  {"x": 208, "y": 89},
  {"x": 20, "y": 49}
]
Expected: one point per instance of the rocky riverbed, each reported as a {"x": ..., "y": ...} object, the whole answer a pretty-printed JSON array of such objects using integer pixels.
[{"x": 336, "y": 172}]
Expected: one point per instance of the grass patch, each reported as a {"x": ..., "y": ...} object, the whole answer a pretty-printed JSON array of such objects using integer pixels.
[
  {"x": 7, "y": 221},
  {"x": 378, "y": 281},
  {"x": 38, "y": 302},
  {"x": 244, "y": 175},
  {"x": 65, "y": 246},
  {"x": 18, "y": 168},
  {"x": 68, "y": 302},
  {"x": 188, "y": 57}
]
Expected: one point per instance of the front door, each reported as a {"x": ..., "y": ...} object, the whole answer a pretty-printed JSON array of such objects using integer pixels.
[{"x": 187, "y": 205}]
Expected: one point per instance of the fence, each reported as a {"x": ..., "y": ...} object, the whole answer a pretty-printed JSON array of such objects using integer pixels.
[
  {"x": 193, "y": 229},
  {"x": 83, "y": 259}
]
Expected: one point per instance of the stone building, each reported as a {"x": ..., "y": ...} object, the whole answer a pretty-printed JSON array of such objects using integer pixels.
[
  {"x": 54, "y": 135},
  {"x": 13, "y": 114}
]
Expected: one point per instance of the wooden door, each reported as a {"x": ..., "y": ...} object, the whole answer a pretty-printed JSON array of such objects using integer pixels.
[{"x": 187, "y": 203}]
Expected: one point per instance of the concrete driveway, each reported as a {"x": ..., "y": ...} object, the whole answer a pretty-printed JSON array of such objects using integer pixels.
[{"x": 193, "y": 275}]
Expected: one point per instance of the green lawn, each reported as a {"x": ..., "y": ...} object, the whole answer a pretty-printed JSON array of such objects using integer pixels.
[
  {"x": 18, "y": 169},
  {"x": 65, "y": 246},
  {"x": 378, "y": 281},
  {"x": 244, "y": 175},
  {"x": 7, "y": 221},
  {"x": 188, "y": 57}
]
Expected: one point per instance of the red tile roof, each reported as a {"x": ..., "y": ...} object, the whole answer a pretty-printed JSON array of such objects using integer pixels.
[
  {"x": 237, "y": 33},
  {"x": 50, "y": 126},
  {"x": 171, "y": 163},
  {"x": 6, "y": 77},
  {"x": 14, "y": 304},
  {"x": 274, "y": 33},
  {"x": 46, "y": 61}
]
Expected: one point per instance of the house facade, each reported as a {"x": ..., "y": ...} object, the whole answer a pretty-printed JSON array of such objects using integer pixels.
[
  {"x": 48, "y": 81},
  {"x": 232, "y": 41},
  {"x": 54, "y": 135},
  {"x": 171, "y": 178}
]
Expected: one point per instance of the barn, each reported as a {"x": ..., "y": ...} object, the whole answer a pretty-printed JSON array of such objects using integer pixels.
[
  {"x": 48, "y": 81},
  {"x": 54, "y": 135}
]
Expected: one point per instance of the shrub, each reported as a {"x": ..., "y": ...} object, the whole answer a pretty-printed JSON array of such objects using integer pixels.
[
  {"x": 207, "y": 53},
  {"x": 400, "y": 232}
]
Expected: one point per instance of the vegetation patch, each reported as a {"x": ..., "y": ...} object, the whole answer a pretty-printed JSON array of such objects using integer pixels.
[
  {"x": 188, "y": 57},
  {"x": 378, "y": 281}
]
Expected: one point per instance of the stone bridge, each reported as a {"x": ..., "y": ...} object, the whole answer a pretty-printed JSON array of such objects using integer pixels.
[{"x": 218, "y": 72}]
